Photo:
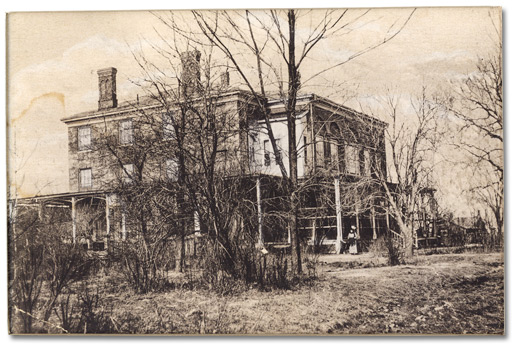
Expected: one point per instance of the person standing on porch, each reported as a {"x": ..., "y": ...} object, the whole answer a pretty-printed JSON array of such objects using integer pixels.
[{"x": 352, "y": 241}]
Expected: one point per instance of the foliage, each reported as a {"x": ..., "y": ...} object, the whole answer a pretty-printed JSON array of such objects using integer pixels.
[{"x": 45, "y": 265}]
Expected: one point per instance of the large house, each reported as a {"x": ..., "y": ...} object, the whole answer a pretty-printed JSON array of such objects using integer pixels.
[{"x": 340, "y": 153}]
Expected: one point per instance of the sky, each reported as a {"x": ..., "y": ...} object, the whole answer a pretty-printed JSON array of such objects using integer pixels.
[{"x": 53, "y": 58}]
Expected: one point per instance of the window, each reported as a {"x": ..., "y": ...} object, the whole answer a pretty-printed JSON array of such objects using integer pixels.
[
  {"x": 252, "y": 160},
  {"x": 172, "y": 169},
  {"x": 85, "y": 178},
  {"x": 352, "y": 159},
  {"x": 326, "y": 152},
  {"x": 341, "y": 158},
  {"x": 366, "y": 162},
  {"x": 128, "y": 172},
  {"x": 278, "y": 144},
  {"x": 334, "y": 155},
  {"x": 335, "y": 131},
  {"x": 222, "y": 157},
  {"x": 168, "y": 126},
  {"x": 320, "y": 159},
  {"x": 378, "y": 166},
  {"x": 267, "y": 156},
  {"x": 126, "y": 135},
  {"x": 84, "y": 138}
]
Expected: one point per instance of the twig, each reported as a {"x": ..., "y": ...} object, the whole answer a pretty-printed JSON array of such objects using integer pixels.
[{"x": 40, "y": 320}]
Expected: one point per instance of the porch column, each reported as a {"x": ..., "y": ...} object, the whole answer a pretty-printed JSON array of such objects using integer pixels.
[
  {"x": 107, "y": 216},
  {"x": 196, "y": 222},
  {"x": 387, "y": 215},
  {"x": 259, "y": 206},
  {"x": 123, "y": 220},
  {"x": 313, "y": 231},
  {"x": 40, "y": 210},
  {"x": 73, "y": 213},
  {"x": 339, "y": 225},
  {"x": 357, "y": 219},
  {"x": 107, "y": 212},
  {"x": 373, "y": 217}
]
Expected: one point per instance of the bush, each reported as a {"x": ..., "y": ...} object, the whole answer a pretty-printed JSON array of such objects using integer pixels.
[
  {"x": 386, "y": 246},
  {"x": 45, "y": 264}
]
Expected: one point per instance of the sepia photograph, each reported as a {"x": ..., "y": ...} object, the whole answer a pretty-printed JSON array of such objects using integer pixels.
[{"x": 260, "y": 172}]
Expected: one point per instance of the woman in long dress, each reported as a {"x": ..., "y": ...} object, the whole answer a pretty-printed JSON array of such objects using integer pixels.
[{"x": 352, "y": 242}]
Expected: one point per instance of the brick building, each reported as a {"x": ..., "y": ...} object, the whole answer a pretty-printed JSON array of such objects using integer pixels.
[{"x": 339, "y": 153}]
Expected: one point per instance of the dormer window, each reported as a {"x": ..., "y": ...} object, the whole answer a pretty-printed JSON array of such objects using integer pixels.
[{"x": 84, "y": 139}]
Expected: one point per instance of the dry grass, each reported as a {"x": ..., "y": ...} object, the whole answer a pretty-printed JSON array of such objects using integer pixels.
[{"x": 440, "y": 294}]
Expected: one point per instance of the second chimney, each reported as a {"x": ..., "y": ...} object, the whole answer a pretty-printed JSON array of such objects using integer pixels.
[
  {"x": 107, "y": 88},
  {"x": 224, "y": 79},
  {"x": 190, "y": 76}
]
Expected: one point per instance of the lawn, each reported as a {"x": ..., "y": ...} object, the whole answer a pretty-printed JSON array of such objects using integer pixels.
[{"x": 439, "y": 294}]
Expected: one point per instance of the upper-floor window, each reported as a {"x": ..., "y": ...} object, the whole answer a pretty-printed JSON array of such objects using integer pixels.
[
  {"x": 367, "y": 160},
  {"x": 128, "y": 172},
  {"x": 267, "y": 155},
  {"x": 341, "y": 158},
  {"x": 168, "y": 126},
  {"x": 352, "y": 159},
  {"x": 84, "y": 138},
  {"x": 85, "y": 178},
  {"x": 326, "y": 152},
  {"x": 279, "y": 149},
  {"x": 126, "y": 133},
  {"x": 172, "y": 169}
]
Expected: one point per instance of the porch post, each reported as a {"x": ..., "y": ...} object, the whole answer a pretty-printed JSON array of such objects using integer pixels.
[
  {"x": 387, "y": 215},
  {"x": 357, "y": 219},
  {"x": 123, "y": 224},
  {"x": 107, "y": 213},
  {"x": 196, "y": 222},
  {"x": 373, "y": 217},
  {"x": 339, "y": 225},
  {"x": 259, "y": 204},
  {"x": 40, "y": 210},
  {"x": 73, "y": 213},
  {"x": 313, "y": 231},
  {"x": 107, "y": 216},
  {"x": 123, "y": 220}
]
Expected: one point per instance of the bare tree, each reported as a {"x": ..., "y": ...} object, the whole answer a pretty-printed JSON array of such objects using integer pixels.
[
  {"x": 47, "y": 264},
  {"x": 191, "y": 135},
  {"x": 413, "y": 140},
  {"x": 255, "y": 43},
  {"x": 477, "y": 102}
]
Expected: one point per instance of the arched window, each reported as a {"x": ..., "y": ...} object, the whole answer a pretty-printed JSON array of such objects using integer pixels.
[{"x": 335, "y": 132}]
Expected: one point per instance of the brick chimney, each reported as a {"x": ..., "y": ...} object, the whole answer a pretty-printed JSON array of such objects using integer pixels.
[
  {"x": 190, "y": 76},
  {"x": 107, "y": 88},
  {"x": 224, "y": 79}
]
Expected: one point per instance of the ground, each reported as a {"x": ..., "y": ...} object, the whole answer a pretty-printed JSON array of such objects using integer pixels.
[{"x": 438, "y": 294}]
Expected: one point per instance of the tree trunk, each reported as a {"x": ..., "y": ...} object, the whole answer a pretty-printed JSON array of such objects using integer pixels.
[
  {"x": 293, "y": 156},
  {"x": 407, "y": 233}
]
